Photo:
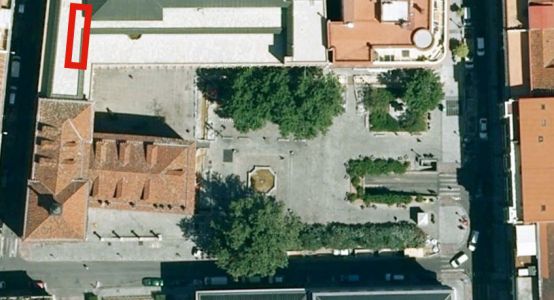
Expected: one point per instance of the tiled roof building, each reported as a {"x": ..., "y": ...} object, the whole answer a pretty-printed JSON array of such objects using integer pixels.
[
  {"x": 74, "y": 168},
  {"x": 141, "y": 172},
  {"x": 541, "y": 47},
  {"x": 58, "y": 188}
]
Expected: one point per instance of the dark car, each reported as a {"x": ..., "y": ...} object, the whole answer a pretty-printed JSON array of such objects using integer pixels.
[{"x": 152, "y": 281}]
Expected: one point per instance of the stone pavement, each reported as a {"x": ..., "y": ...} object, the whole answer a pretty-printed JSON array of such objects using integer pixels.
[
  {"x": 104, "y": 222},
  {"x": 311, "y": 176},
  {"x": 459, "y": 281}
]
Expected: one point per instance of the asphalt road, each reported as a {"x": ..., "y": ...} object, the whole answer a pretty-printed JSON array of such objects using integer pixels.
[
  {"x": 73, "y": 278},
  {"x": 19, "y": 119},
  {"x": 492, "y": 262}
]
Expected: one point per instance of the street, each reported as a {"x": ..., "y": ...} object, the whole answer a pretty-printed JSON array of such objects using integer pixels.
[
  {"x": 19, "y": 119},
  {"x": 492, "y": 262},
  {"x": 72, "y": 278}
]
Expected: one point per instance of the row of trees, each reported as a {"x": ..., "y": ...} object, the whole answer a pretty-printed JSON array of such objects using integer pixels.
[
  {"x": 400, "y": 235},
  {"x": 252, "y": 235},
  {"x": 302, "y": 100},
  {"x": 375, "y": 166},
  {"x": 381, "y": 196}
]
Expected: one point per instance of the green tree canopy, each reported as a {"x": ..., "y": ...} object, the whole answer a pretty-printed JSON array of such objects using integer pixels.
[
  {"x": 302, "y": 101},
  {"x": 252, "y": 237},
  {"x": 423, "y": 91},
  {"x": 461, "y": 50},
  {"x": 375, "y": 166}
]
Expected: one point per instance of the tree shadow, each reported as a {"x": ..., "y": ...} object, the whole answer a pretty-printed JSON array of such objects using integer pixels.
[
  {"x": 453, "y": 44},
  {"x": 213, "y": 198},
  {"x": 215, "y": 83},
  {"x": 396, "y": 80}
]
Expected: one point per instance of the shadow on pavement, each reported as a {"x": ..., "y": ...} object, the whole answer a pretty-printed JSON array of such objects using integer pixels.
[
  {"x": 308, "y": 272},
  {"x": 132, "y": 124},
  {"x": 18, "y": 283}
]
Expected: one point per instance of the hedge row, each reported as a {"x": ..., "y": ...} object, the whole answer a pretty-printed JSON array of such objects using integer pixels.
[{"x": 398, "y": 235}]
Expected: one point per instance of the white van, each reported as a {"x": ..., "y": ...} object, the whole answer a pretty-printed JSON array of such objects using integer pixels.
[
  {"x": 467, "y": 16},
  {"x": 459, "y": 259},
  {"x": 480, "y": 46}
]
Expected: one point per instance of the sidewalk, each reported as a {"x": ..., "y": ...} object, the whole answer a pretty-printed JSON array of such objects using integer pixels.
[{"x": 111, "y": 224}]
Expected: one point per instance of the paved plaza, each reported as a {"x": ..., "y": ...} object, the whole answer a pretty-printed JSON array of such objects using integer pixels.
[
  {"x": 110, "y": 223},
  {"x": 164, "y": 93},
  {"x": 311, "y": 175}
]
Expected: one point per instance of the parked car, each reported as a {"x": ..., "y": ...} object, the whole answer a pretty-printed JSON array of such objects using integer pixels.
[
  {"x": 349, "y": 278},
  {"x": 459, "y": 259},
  {"x": 480, "y": 46},
  {"x": 394, "y": 277},
  {"x": 473, "y": 239},
  {"x": 253, "y": 279},
  {"x": 276, "y": 279},
  {"x": 21, "y": 8},
  {"x": 12, "y": 95},
  {"x": 467, "y": 15},
  {"x": 218, "y": 280},
  {"x": 2, "y": 285},
  {"x": 468, "y": 62},
  {"x": 39, "y": 284},
  {"x": 341, "y": 252},
  {"x": 483, "y": 128},
  {"x": 152, "y": 281},
  {"x": 16, "y": 65}
]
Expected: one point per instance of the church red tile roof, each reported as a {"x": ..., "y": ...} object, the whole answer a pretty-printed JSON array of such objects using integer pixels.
[
  {"x": 57, "y": 190},
  {"x": 74, "y": 168},
  {"x": 144, "y": 173}
]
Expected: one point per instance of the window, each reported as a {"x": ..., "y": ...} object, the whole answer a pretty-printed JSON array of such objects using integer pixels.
[
  {"x": 540, "y": 139},
  {"x": 543, "y": 106},
  {"x": 543, "y": 123},
  {"x": 543, "y": 207}
]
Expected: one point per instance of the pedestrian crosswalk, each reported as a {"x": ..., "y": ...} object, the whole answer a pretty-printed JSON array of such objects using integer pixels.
[{"x": 448, "y": 186}]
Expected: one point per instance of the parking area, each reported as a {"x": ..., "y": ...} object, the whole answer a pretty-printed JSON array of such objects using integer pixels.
[{"x": 149, "y": 99}]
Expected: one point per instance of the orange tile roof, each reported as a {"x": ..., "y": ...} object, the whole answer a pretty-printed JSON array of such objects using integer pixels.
[
  {"x": 541, "y": 16},
  {"x": 541, "y": 59},
  {"x": 353, "y": 45},
  {"x": 144, "y": 173},
  {"x": 541, "y": 47},
  {"x": 62, "y": 143},
  {"x": 546, "y": 259},
  {"x": 536, "y": 139},
  {"x": 74, "y": 169}
]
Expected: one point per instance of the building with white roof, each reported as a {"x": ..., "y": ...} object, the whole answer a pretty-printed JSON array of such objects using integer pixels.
[{"x": 207, "y": 33}]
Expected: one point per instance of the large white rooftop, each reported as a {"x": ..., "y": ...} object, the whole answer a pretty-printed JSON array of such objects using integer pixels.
[
  {"x": 308, "y": 31},
  {"x": 209, "y": 17},
  {"x": 201, "y": 36}
]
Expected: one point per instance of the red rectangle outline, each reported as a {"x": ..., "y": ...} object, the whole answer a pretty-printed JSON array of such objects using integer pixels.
[{"x": 82, "y": 64}]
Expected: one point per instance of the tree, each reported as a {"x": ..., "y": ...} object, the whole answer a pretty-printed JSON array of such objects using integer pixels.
[
  {"x": 302, "y": 101},
  {"x": 461, "y": 50},
  {"x": 317, "y": 101},
  {"x": 423, "y": 91},
  {"x": 252, "y": 237}
]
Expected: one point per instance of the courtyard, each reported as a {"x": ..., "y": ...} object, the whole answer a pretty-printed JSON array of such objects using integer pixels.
[
  {"x": 311, "y": 174},
  {"x": 147, "y": 99}
]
